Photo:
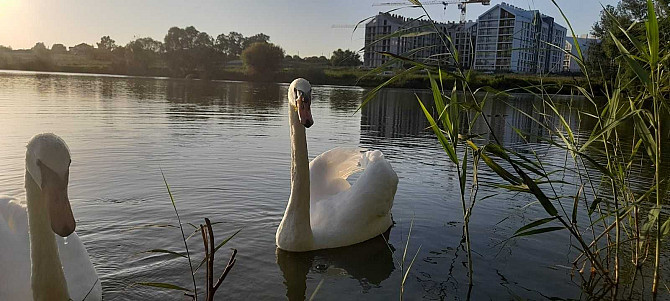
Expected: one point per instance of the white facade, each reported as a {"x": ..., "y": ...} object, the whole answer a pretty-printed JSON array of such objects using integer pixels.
[
  {"x": 585, "y": 42},
  {"x": 511, "y": 39}
]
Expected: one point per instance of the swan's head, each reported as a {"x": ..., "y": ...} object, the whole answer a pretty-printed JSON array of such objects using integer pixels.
[
  {"x": 300, "y": 98},
  {"x": 48, "y": 163}
]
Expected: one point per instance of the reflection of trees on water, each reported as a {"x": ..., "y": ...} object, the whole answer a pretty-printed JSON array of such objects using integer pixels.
[
  {"x": 345, "y": 99},
  {"x": 193, "y": 100},
  {"x": 369, "y": 262}
]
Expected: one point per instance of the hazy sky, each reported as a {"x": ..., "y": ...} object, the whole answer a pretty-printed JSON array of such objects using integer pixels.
[{"x": 300, "y": 26}]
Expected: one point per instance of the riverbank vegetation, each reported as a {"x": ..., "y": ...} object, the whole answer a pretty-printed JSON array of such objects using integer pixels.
[
  {"x": 618, "y": 223},
  {"x": 189, "y": 53}
]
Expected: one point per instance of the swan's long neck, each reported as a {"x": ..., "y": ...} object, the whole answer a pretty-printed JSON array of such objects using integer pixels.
[
  {"x": 295, "y": 232},
  {"x": 48, "y": 280}
]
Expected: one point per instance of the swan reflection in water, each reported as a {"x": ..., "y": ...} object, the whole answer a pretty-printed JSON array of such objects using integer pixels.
[{"x": 369, "y": 262}]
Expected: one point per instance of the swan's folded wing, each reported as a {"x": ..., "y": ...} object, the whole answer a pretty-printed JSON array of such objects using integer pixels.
[
  {"x": 375, "y": 189},
  {"x": 329, "y": 171}
]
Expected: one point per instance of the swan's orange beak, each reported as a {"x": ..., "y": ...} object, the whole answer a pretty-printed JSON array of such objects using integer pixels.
[
  {"x": 304, "y": 111},
  {"x": 54, "y": 192}
]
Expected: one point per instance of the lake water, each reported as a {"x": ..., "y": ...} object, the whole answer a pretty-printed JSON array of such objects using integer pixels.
[{"x": 224, "y": 149}]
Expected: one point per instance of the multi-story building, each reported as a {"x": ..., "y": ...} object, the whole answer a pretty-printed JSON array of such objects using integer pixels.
[
  {"x": 585, "y": 42},
  {"x": 504, "y": 39},
  {"x": 419, "y": 40},
  {"x": 381, "y": 25},
  {"x": 511, "y": 39}
]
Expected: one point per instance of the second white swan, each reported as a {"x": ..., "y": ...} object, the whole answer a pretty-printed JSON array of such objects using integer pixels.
[
  {"x": 324, "y": 210},
  {"x": 36, "y": 264}
]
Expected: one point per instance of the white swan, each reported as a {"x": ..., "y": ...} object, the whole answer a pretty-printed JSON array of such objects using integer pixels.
[
  {"x": 324, "y": 210},
  {"x": 35, "y": 264}
]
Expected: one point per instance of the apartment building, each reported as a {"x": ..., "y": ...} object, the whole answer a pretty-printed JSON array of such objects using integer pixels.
[
  {"x": 505, "y": 38},
  {"x": 585, "y": 42},
  {"x": 512, "y": 39},
  {"x": 419, "y": 40}
]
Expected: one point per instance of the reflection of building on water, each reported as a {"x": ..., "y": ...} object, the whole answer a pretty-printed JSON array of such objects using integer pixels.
[
  {"x": 504, "y": 119},
  {"x": 506, "y": 116},
  {"x": 369, "y": 262},
  {"x": 394, "y": 114}
]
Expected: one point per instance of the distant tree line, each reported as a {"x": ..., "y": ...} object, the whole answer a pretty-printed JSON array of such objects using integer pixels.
[{"x": 188, "y": 52}]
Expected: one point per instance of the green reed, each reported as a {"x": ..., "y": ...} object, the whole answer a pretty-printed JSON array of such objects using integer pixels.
[
  {"x": 622, "y": 233},
  {"x": 210, "y": 249}
]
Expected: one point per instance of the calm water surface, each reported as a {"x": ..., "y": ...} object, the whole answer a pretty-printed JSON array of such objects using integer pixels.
[{"x": 224, "y": 149}]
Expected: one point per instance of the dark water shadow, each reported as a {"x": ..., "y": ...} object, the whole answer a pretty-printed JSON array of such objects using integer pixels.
[{"x": 369, "y": 262}]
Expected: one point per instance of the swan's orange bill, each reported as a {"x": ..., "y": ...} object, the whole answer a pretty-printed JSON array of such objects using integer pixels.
[
  {"x": 62, "y": 220},
  {"x": 304, "y": 112},
  {"x": 54, "y": 190}
]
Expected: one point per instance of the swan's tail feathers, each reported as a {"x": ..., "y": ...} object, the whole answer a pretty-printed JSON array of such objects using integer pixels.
[{"x": 369, "y": 157}]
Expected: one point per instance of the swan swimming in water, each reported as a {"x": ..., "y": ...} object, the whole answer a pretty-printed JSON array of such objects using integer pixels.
[
  {"x": 35, "y": 264},
  {"x": 324, "y": 210}
]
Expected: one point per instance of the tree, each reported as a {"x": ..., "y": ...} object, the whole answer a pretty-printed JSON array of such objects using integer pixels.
[
  {"x": 58, "y": 48},
  {"x": 317, "y": 60},
  {"x": 82, "y": 49},
  {"x": 262, "y": 58},
  {"x": 257, "y": 38},
  {"x": 141, "y": 54},
  {"x": 627, "y": 14},
  {"x": 39, "y": 47},
  {"x": 106, "y": 43},
  {"x": 190, "y": 51},
  {"x": 44, "y": 61},
  {"x": 230, "y": 44},
  {"x": 345, "y": 58}
]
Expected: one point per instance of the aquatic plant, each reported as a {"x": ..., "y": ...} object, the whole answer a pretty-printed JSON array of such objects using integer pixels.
[{"x": 210, "y": 250}]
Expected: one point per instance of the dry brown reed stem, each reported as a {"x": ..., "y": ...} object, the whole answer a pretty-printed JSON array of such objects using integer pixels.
[{"x": 210, "y": 250}]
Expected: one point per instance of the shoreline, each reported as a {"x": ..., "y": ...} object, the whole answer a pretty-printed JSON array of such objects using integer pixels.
[{"x": 349, "y": 77}]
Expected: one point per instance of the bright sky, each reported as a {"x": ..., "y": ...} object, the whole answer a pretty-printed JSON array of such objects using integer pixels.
[{"x": 303, "y": 27}]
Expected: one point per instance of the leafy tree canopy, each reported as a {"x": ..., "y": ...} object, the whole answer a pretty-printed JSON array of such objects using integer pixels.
[
  {"x": 106, "y": 43},
  {"x": 262, "y": 58},
  {"x": 345, "y": 58}
]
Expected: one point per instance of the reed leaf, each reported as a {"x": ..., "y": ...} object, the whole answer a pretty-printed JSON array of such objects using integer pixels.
[
  {"x": 448, "y": 147},
  {"x": 539, "y": 231},
  {"x": 640, "y": 72},
  {"x": 652, "y": 34},
  {"x": 534, "y": 224},
  {"x": 162, "y": 251},
  {"x": 164, "y": 285},
  {"x": 500, "y": 171}
]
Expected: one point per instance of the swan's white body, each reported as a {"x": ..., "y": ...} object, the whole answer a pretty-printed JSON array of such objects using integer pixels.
[
  {"x": 324, "y": 210},
  {"x": 35, "y": 263}
]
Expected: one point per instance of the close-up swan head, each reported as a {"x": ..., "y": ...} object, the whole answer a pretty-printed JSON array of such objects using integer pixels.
[
  {"x": 300, "y": 97},
  {"x": 48, "y": 164}
]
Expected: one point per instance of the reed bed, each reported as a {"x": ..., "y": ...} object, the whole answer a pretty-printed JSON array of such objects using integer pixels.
[{"x": 617, "y": 226}]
